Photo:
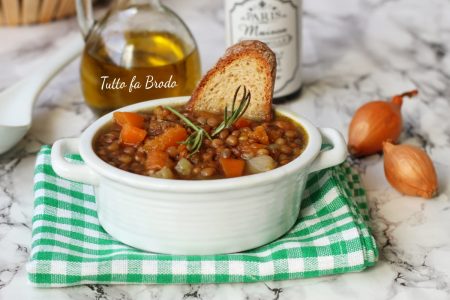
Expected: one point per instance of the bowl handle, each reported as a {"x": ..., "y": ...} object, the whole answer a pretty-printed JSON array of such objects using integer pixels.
[
  {"x": 75, "y": 172},
  {"x": 330, "y": 157}
]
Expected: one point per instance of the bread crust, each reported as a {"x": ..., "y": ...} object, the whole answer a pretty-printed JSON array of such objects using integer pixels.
[{"x": 248, "y": 48}]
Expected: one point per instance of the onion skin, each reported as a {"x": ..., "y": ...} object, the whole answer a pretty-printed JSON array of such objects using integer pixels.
[
  {"x": 374, "y": 123},
  {"x": 410, "y": 170}
]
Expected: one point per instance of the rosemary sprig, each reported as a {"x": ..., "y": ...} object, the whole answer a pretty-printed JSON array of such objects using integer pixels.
[
  {"x": 229, "y": 120},
  {"x": 195, "y": 140}
]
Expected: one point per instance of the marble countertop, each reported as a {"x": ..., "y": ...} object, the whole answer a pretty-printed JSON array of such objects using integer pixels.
[{"x": 354, "y": 51}]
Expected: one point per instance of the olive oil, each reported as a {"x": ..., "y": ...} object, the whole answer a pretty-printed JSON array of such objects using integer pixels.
[{"x": 137, "y": 66}]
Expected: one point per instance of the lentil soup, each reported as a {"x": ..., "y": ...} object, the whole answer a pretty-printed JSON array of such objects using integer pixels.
[{"x": 156, "y": 143}]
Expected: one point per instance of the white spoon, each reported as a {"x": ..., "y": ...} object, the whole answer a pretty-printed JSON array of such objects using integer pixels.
[{"x": 16, "y": 102}]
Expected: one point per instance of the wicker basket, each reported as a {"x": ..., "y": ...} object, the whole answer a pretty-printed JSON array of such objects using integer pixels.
[{"x": 22, "y": 12}]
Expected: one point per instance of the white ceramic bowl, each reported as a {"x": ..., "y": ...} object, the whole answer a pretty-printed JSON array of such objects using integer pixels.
[{"x": 196, "y": 216}]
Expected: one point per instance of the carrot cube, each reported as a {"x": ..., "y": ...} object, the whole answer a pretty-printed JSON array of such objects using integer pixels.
[
  {"x": 130, "y": 118},
  {"x": 131, "y": 135},
  {"x": 232, "y": 167}
]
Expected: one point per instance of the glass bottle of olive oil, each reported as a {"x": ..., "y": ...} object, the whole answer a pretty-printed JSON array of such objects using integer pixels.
[{"x": 139, "y": 51}]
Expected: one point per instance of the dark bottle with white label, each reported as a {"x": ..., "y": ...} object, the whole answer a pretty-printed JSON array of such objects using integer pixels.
[{"x": 278, "y": 24}]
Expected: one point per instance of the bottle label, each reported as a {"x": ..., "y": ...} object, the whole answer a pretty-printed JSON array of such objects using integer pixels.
[{"x": 275, "y": 22}]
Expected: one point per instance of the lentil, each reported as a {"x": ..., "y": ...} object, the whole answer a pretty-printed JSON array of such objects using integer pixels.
[
  {"x": 280, "y": 141},
  {"x": 212, "y": 121},
  {"x": 262, "y": 151},
  {"x": 224, "y": 134},
  {"x": 216, "y": 143},
  {"x": 208, "y": 172},
  {"x": 285, "y": 149},
  {"x": 231, "y": 140}
]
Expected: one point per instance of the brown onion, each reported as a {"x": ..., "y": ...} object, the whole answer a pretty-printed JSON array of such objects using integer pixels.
[
  {"x": 374, "y": 123},
  {"x": 410, "y": 170}
]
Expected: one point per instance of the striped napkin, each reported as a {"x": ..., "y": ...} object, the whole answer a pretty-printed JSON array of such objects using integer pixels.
[{"x": 69, "y": 246}]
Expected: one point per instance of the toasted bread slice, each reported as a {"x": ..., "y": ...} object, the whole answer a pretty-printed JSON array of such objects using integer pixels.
[{"x": 249, "y": 63}]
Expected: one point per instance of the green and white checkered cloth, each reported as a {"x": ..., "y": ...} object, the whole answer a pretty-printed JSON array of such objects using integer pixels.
[{"x": 69, "y": 246}]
